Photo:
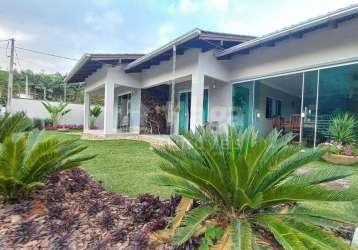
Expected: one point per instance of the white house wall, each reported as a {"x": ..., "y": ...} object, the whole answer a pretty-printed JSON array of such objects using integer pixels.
[
  {"x": 163, "y": 73},
  {"x": 118, "y": 76},
  {"x": 314, "y": 48},
  {"x": 213, "y": 67},
  {"x": 96, "y": 80}
]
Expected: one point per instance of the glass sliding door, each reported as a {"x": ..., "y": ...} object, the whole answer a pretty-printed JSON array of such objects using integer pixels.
[
  {"x": 242, "y": 99},
  {"x": 206, "y": 107},
  {"x": 184, "y": 112},
  {"x": 124, "y": 107},
  {"x": 338, "y": 94},
  {"x": 309, "y": 107}
]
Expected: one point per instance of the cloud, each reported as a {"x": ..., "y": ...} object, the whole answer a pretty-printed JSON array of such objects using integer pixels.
[
  {"x": 17, "y": 34},
  {"x": 219, "y": 5},
  {"x": 100, "y": 21},
  {"x": 165, "y": 33}
]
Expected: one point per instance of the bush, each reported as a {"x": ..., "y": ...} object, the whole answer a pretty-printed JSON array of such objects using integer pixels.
[
  {"x": 15, "y": 123},
  {"x": 37, "y": 123},
  {"x": 342, "y": 128},
  {"x": 26, "y": 160},
  {"x": 249, "y": 187}
]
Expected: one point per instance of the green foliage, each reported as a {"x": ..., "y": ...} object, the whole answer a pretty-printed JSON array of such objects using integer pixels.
[
  {"x": 95, "y": 112},
  {"x": 15, "y": 123},
  {"x": 212, "y": 234},
  {"x": 39, "y": 83},
  {"x": 342, "y": 128},
  {"x": 252, "y": 182},
  {"x": 27, "y": 159},
  {"x": 56, "y": 111}
]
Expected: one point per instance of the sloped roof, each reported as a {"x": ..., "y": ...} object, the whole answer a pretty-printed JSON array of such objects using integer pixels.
[
  {"x": 89, "y": 63},
  {"x": 197, "y": 38},
  {"x": 297, "y": 30}
]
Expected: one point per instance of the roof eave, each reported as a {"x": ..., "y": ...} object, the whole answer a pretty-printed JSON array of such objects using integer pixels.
[
  {"x": 78, "y": 65},
  {"x": 183, "y": 38}
]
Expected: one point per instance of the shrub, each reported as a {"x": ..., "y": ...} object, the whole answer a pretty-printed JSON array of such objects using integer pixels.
[
  {"x": 56, "y": 111},
  {"x": 15, "y": 123},
  {"x": 37, "y": 123},
  {"x": 248, "y": 185},
  {"x": 342, "y": 128},
  {"x": 27, "y": 159},
  {"x": 95, "y": 113}
]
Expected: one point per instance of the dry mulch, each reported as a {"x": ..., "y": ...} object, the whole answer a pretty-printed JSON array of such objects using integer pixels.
[{"x": 74, "y": 212}]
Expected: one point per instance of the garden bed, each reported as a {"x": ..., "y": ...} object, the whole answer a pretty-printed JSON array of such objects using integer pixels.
[{"x": 74, "y": 212}]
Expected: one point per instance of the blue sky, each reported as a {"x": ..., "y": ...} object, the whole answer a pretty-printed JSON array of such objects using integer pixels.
[{"x": 74, "y": 27}]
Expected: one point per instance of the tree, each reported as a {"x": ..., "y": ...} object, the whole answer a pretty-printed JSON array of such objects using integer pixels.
[
  {"x": 248, "y": 185},
  {"x": 56, "y": 111}
]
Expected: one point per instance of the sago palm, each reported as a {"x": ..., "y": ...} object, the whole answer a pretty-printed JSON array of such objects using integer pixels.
[
  {"x": 27, "y": 159},
  {"x": 248, "y": 185},
  {"x": 15, "y": 123},
  {"x": 342, "y": 128},
  {"x": 56, "y": 111}
]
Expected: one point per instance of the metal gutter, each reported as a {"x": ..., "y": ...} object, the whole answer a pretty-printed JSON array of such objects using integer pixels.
[
  {"x": 341, "y": 13},
  {"x": 78, "y": 65},
  {"x": 181, "y": 39}
]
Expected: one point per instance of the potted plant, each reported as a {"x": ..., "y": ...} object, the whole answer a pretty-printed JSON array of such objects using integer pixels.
[
  {"x": 95, "y": 113},
  {"x": 342, "y": 146}
]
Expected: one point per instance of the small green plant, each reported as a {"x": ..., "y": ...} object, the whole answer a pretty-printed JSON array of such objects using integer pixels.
[
  {"x": 27, "y": 159},
  {"x": 15, "y": 123},
  {"x": 95, "y": 112},
  {"x": 342, "y": 128},
  {"x": 212, "y": 235},
  {"x": 56, "y": 111},
  {"x": 249, "y": 187}
]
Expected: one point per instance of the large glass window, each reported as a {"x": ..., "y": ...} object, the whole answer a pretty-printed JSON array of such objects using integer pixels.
[
  {"x": 300, "y": 103},
  {"x": 338, "y": 93},
  {"x": 242, "y": 99}
]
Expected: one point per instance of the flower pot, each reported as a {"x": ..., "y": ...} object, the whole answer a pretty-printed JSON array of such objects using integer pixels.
[{"x": 340, "y": 159}]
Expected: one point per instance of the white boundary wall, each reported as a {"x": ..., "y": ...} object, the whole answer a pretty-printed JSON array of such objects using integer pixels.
[{"x": 35, "y": 109}]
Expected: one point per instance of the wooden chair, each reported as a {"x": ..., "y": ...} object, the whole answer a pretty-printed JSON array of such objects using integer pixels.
[
  {"x": 295, "y": 121},
  {"x": 277, "y": 122}
]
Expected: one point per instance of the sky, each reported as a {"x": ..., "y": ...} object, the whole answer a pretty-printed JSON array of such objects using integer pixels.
[{"x": 71, "y": 28}]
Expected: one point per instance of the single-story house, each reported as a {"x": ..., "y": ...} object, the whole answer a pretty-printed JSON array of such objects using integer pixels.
[{"x": 292, "y": 79}]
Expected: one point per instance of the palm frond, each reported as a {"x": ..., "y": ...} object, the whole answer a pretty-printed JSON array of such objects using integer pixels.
[{"x": 190, "y": 222}]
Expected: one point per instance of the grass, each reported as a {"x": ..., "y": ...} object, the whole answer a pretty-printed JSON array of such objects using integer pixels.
[{"x": 124, "y": 166}]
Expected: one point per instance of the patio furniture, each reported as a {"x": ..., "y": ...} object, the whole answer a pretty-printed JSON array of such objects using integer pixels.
[
  {"x": 125, "y": 123},
  {"x": 277, "y": 122}
]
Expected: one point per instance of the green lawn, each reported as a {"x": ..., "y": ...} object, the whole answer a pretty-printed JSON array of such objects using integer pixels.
[{"x": 124, "y": 166}]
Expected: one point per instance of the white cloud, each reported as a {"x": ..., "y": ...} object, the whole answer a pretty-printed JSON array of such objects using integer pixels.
[
  {"x": 18, "y": 35},
  {"x": 188, "y": 6},
  {"x": 99, "y": 21},
  {"x": 165, "y": 33},
  {"x": 218, "y": 5}
]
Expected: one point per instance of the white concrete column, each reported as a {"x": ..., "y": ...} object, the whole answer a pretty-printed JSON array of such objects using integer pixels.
[
  {"x": 197, "y": 98},
  {"x": 135, "y": 111},
  {"x": 86, "y": 111},
  {"x": 109, "y": 115}
]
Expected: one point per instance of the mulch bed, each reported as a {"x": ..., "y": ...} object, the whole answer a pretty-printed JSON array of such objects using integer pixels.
[{"x": 74, "y": 212}]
